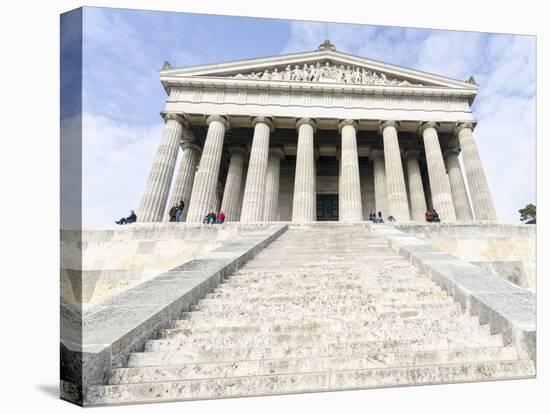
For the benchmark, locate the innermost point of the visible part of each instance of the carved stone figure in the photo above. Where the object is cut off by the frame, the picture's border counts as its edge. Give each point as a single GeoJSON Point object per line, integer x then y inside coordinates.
{"type": "Point", "coordinates": [276, 75]}
{"type": "Point", "coordinates": [325, 71]}
{"type": "Point", "coordinates": [348, 75]}
{"type": "Point", "coordinates": [296, 74]}
{"type": "Point", "coordinates": [266, 75]}
{"type": "Point", "coordinates": [356, 77]}
{"type": "Point", "coordinates": [288, 73]}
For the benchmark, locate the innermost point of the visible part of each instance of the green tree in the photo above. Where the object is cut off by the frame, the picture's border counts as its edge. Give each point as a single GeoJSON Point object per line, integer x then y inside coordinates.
{"type": "Point", "coordinates": [528, 214]}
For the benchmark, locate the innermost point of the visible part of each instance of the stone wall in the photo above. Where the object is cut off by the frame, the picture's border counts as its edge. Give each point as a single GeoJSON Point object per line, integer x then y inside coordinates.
{"type": "Point", "coordinates": [99, 264]}
{"type": "Point", "coordinates": [508, 250]}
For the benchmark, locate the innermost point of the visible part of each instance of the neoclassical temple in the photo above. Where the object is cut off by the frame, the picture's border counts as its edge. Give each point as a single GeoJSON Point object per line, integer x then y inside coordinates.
{"type": "Point", "coordinates": [314, 136]}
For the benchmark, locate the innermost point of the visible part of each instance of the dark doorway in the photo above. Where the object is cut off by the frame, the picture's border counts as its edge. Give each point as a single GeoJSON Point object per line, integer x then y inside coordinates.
{"type": "Point", "coordinates": [327, 207]}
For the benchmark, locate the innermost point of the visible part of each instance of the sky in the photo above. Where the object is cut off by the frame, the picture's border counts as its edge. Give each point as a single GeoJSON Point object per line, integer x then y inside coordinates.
{"type": "Point", "coordinates": [122, 94]}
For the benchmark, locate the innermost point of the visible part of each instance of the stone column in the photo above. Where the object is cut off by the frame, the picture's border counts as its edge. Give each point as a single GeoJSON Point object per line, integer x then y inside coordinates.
{"type": "Point", "coordinates": [398, 205]}
{"type": "Point", "coordinates": [380, 191]}
{"type": "Point", "coordinates": [206, 179]}
{"type": "Point", "coordinates": [271, 205]}
{"type": "Point", "coordinates": [439, 182]}
{"type": "Point", "coordinates": [349, 199]}
{"type": "Point", "coordinates": [232, 195]}
{"type": "Point", "coordinates": [186, 176]}
{"type": "Point", "coordinates": [155, 196]}
{"type": "Point", "coordinates": [416, 188]}
{"type": "Point", "coordinates": [458, 187]}
{"type": "Point", "coordinates": [254, 190]}
{"type": "Point", "coordinates": [218, 198]}
{"type": "Point", "coordinates": [484, 208]}
{"type": "Point", "coordinates": [304, 202]}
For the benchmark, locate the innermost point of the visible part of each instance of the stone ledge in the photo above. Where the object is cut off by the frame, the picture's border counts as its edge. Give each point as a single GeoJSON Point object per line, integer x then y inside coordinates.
{"type": "Point", "coordinates": [95, 341]}
{"type": "Point", "coordinates": [507, 308]}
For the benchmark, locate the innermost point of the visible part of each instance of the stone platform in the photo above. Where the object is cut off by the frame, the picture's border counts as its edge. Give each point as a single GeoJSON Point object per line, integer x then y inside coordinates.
{"type": "Point", "coordinates": [329, 306]}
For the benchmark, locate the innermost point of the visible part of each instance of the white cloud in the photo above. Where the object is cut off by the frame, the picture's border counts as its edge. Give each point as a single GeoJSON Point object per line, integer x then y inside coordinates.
{"type": "Point", "coordinates": [116, 161]}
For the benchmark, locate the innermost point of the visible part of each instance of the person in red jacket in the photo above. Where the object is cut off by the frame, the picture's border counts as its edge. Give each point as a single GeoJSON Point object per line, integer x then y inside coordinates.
{"type": "Point", "coordinates": [220, 218]}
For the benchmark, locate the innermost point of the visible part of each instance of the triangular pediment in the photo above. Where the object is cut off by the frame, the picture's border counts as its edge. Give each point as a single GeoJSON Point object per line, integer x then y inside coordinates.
{"type": "Point", "coordinates": [318, 67]}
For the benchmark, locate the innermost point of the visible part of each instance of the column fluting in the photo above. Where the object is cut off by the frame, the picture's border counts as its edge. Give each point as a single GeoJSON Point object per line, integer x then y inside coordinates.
{"type": "Point", "coordinates": [204, 189]}
{"type": "Point", "coordinates": [482, 201]}
{"type": "Point", "coordinates": [155, 196]}
{"type": "Point", "coordinates": [380, 190]}
{"type": "Point", "coordinates": [458, 187]}
{"type": "Point", "coordinates": [398, 205]}
{"type": "Point", "coordinates": [439, 182]}
{"type": "Point", "coordinates": [271, 205]}
{"type": "Point", "coordinates": [232, 195]}
{"type": "Point", "coordinates": [254, 191]}
{"type": "Point", "coordinates": [416, 188]}
{"type": "Point", "coordinates": [304, 201]}
{"type": "Point", "coordinates": [349, 197]}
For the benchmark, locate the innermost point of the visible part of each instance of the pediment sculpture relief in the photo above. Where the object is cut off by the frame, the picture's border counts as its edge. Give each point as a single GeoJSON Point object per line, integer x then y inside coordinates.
{"type": "Point", "coordinates": [326, 73]}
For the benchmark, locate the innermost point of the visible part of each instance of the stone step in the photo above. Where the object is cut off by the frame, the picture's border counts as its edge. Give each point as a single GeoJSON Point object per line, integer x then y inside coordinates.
{"type": "Point", "coordinates": [218, 354]}
{"type": "Point", "coordinates": [321, 306]}
{"type": "Point", "coordinates": [330, 282]}
{"type": "Point", "coordinates": [316, 310]}
{"type": "Point", "coordinates": [184, 329]}
{"type": "Point", "coordinates": [465, 335]}
{"type": "Point", "coordinates": [307, 364]}
{"type": "Point", "coordinates": [230, 297]}
{"type": "Point", "coordinates": [204, 319]}
{"type": "Point", "coordinates": [307, 382]}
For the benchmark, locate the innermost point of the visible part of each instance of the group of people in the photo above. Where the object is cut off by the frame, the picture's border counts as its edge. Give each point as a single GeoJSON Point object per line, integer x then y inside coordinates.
{"type": "Point", "coordinates": [378, 218]}
{"type": "Point", "coordinates": [432, 216]}
{"type": "Point", "coordinates": [176, 211]}
{"type": "Point", "coordinates": [213, 218]}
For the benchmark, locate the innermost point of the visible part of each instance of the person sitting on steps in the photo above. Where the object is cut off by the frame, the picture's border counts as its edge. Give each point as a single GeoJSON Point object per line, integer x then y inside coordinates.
{"type": "Point", "coordinates": [127, 220]}
{"type": "Point", "coordinates": [435, 216]}
{"type": "Point", "coordinates": [220, 218]}
{"type": "Point", "coordinates": [372, 216]}
{"type": "Point", "coordinates": [179, 210]}
{"type": "Point", "coordinates": [210, 218]}
{"type": "Point", "coordinates": [391, 219]}
{"type": "Point", "coordinates": [172, 213]}
{"type": "Point", "coordinates": [379, 219]}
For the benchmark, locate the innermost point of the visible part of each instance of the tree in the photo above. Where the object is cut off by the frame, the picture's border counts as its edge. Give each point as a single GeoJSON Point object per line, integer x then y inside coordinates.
{"type": "Point", "coordinates": [529, 214]}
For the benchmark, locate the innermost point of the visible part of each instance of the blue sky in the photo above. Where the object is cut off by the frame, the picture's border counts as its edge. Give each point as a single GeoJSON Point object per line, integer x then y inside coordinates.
{"type": "Point", "coordinates": [122, 97]}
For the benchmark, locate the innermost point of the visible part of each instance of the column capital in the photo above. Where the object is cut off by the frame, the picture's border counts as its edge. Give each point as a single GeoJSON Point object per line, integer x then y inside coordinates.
{"type": "Point", "coordinates": [411, 153]}
{"type": "Point", "coordinates": [451, 150]}
{"type": "Point", "coordinates": [190, 145]}
{"type": "Point", "coordinates": [388, 123]}
{"type": "Point", "coordinates": [345, 122]}
{"type": "Point", "coordinates": [218, 118]}
{"type": "Point", "coordinates": [237, 149]}
{"type": "Point", "coordinates": [426, 125]}
{"type": "Point", "coordinates": [308, 121]}
{"type": "Point", "coordinates": [264, 120]}
{"type": "Point", "coordinates": [181, 118]}
{"type": "Point", "coordinates": [277, 152]}
{"type": "Point", "coordinates": [376, 153]}
{"type": "Point", "coordinates": [463, 125]}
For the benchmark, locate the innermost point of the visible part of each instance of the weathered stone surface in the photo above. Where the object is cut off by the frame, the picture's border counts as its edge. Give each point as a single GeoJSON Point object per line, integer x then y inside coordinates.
{"type": "Point", "coordinates": [102, 336]}
{"type": "Point", "coordinates": [327, 318]}
{"type": "Point", "coordinates": [509, 309]}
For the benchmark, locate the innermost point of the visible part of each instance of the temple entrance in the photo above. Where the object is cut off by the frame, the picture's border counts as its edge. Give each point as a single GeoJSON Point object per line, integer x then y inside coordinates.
{"type": "Point", "coordinates": [327, 207]}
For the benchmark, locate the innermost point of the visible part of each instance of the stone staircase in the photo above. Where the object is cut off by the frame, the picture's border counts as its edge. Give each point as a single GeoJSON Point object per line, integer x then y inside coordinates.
{"type": "Point", "coordinates": [323, 307]}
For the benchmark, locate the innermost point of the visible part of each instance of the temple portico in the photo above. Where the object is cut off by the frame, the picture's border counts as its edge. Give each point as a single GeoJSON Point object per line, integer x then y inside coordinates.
{"type": "Point", "coordinates": [329, 138]}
